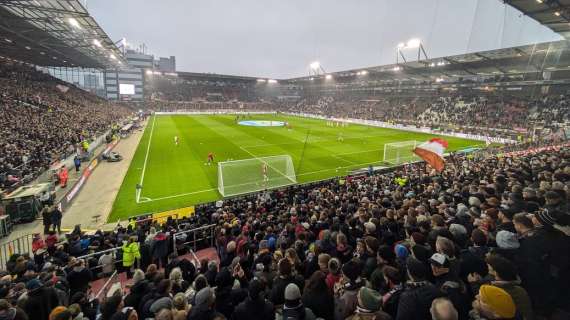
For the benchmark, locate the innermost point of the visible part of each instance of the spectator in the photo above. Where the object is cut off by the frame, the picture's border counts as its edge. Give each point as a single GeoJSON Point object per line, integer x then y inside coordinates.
{"type": "Point", "coordinates": [318, 297]}
{"type": "Point", "coordinates": [493, 303]}
{"type": "Point", "coordinates": [293, 307]}
{"type": "Point", "coordinates": [443, 309]}
{"type": "Point", "coordinates": [418, 295]}
{"type": "Point", "coordinates": [256, 306]}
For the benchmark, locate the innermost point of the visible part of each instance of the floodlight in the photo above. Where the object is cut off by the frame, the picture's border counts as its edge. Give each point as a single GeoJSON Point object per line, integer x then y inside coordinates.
{"type": "Point", "coordinates": [97, 43]}
{"type": "Point", "coordinates": [112, 56]}
{"type": "Point", "coordinates": [328, 76]}
{"type": "Point", "coordinates": [432, 64]}
{"type": "Point", "coordinates": [539, 1]}
{"type": "Point", "coordinates": [396, 69]}
{"type": "Point", "coordinates": [363, 72]}
{"type": "Point", "coordinates": [557, 13]}
{"type": "Point", "coordinates": [74, 23]}
{"type": "Point", "coordinates": [315, 65]}
{"type": "Point", "coordinates": [311, 78]}
{"type": "Point", "coordinates": [271, 81]}
{"type": "Point", "coordinates": [260, 80]}
{"type": "Point", "coordinates": [28, 48]}
{"type": "Point", "coordinates": [413, 43]}
{"type": "Point", "coordinates": [401, 45]}
{"type": "Point", "coordinates": [8, 40]}
{"type": "Point", "coordinates": [149, 72]}
{"type": "Point", "coordinates": [438, 79]}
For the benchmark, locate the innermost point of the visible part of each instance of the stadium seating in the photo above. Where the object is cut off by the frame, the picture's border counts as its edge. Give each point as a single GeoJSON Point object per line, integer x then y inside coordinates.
{"type": "Point", "coordinates": [43, 120]}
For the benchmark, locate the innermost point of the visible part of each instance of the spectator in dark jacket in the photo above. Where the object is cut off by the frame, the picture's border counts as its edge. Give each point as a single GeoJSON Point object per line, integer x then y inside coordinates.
{"type": "Point", "coordinates": [418, 294]}
{"type": "Point", "coordinates": [79, 278]}
{"type": "Point", "coordinates": [40, 301]}
{"type": "Point", "coordinates": [203, 308]}
{"type": "Point", "coordinates": [280, 282]}
{"type": "Point", "coordinates": [318, 297]}
{"type": "Point", "coordinates": [256, 306]}
{"type": "Point", "coordinates": [450, 284]}
{"type": "Point", "coordinates": [159, 250]}
{"type": "Point", "coordinates": [137, 291]}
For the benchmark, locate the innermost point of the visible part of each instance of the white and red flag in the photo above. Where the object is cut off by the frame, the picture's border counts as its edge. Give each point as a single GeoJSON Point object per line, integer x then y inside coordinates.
{"type": "Point", "coordinates": [432, 152]}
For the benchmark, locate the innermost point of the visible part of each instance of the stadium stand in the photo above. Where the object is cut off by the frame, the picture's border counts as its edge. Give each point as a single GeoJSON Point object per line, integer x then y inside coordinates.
{"type": "Point", "coordinates": [495, 235]}
{"type": "Point", "coordinates": [43, 120]}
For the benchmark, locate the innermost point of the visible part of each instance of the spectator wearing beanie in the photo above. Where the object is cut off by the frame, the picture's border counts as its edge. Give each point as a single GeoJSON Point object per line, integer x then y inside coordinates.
{"type": "Point", "coordinates": [369, 306]}
{"type": "Point", "coordinates": [418, 294]}
{"type": "Point", "coordinates": [318, 297]}
{"type": "Point", "coordinates": [256, 306]}
{"type": "Point", "coordinates": [293, 308]}
{"type": "Point", "coordinates": [493, 303]}
{"type": "Point", "coordinates": [41, 300]}
{"type": "Point", "coordinates": [347, 289]}
{"type": "Point", "coordinates": [507, 245]}
{"type": "Point", "coordinates": [203, 309]}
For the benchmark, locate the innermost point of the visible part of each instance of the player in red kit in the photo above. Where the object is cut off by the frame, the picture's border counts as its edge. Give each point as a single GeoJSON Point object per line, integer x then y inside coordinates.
{"type": "Point", "coordinates": [210, 158]}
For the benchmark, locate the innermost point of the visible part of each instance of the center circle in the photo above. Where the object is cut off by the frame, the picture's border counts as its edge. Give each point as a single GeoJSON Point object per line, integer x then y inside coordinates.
{"type": "Point", "coordinates": [261, 123]}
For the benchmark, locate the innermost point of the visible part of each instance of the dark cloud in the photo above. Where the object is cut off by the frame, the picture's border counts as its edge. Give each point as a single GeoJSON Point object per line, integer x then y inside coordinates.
{"type": "Point", "coordinates": [277, 38]}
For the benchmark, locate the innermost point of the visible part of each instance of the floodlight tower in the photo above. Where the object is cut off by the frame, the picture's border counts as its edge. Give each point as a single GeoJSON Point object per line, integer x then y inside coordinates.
{"type": "Point", "coordinates": [316, 69]}
{"type": "Point", "coordinates": [412, 44]}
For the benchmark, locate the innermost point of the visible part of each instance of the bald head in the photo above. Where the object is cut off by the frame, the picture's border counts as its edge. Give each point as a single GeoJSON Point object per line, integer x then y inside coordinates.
{"type": "Point", "coordinates": [443, 309]}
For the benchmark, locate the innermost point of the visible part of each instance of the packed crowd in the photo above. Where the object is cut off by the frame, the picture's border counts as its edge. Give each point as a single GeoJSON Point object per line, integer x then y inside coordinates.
{"type": "Point", "coordinates": [485, 239]}
{"type": "Point", "coordinates": [43, 119]}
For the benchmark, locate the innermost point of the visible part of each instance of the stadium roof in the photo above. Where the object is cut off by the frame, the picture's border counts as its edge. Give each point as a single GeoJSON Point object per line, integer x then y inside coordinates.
{"type": "Point", "coordinates": [58, 33]}
{"type": "Point", "coordinates": [554, 14]}
{"type": "Point", "coordinates": [547, 56]}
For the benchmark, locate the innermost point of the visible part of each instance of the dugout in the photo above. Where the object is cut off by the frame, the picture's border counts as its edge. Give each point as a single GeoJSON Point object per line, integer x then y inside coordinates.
{"type": "Point", "coordinates": [24, 203]}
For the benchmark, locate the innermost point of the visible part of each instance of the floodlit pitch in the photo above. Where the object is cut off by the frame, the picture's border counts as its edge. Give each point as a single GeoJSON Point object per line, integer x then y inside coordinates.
{"type": "Point", "coordinates": [172, 176]}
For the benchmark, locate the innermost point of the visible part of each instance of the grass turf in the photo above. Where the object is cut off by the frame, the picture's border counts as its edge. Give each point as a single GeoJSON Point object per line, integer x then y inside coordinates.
{"type": "Point", "coordinates": [176, 176]}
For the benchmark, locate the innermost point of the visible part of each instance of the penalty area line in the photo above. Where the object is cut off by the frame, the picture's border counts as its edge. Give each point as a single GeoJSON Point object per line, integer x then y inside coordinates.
{"type": "Point", "coordinates": [176, 195]}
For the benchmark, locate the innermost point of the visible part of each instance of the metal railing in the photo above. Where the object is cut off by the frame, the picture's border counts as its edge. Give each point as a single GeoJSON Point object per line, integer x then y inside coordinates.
{"type": "Point", "coordinates": [104, 287]}
{"type": "Point", "coordinates": [98, 254]}
{"type": "Point", "coordinates": [194, 237]}
{"type": "Point", "coordinates": [19, 245]}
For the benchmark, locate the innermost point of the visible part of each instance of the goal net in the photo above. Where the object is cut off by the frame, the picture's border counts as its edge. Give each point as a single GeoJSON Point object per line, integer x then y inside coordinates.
{"type": "Point", "coordinates": [400, 152]}
{"type": "Point", "coordinates": [246, 176]}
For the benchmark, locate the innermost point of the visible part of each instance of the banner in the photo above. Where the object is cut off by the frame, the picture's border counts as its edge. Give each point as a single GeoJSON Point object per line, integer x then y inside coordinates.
{"type": "Point", "coordinates": [185, 212]}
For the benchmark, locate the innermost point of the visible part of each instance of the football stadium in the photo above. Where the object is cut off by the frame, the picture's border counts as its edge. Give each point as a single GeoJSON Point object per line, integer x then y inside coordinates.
{"type": "Point", "coordinates": [332, 160]}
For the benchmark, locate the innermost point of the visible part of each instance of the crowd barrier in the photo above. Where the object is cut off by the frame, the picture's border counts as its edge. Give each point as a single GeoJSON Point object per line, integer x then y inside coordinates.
{"type": "Point", "coordinates": [19, 245]}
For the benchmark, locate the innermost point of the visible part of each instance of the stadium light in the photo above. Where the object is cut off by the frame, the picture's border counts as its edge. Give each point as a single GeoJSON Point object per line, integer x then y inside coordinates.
{"type": "Point", "coordinates": [112, 56]}
{"type": "Point", "coordinates": [28, 48]}
{"type": "Point", "coordinates": [260, 80]}
{"type": "Point", "coordinates": [557, 13]}
{"type": "Point", "coordinates": [271, 81]}
{"type": "Point", "coordinates": [149, 72]}
{"type": "Point", "coordinates": [74, 23]}
{"type": "Point", "coordinates": [311, 78]}
{"type": "Point", "coordinates": [432, 64]}
{"type": "Point", "coordinates": [364, 72]}
{"type": "Point", "coordinates": [413, 43]}
{"type": "Point", "coordinates": [396, 68]}
{"type": "Point", "coordinates": [315, 65]}
{"type": "Point", "coordinates": [42, 53]}
{"type": "Point", "coordinates": [539, 1]}
{"type": "Point", "coordinates": [401, 45]}
{"type": "Point", "coordinates": [8, 40]}
{"type": "Point", "coordinates": [97, 43]}
{"type": "Point", "coordinates": [328, 76]}
{"type": "Point", "coordinates": [438, 79]}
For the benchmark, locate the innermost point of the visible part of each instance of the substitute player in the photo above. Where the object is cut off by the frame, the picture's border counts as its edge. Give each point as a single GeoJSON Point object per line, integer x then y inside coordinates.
{"type": "Point", "coordinates": [176, 140]}
{"type": "Point", "coordinates": [210, 158]}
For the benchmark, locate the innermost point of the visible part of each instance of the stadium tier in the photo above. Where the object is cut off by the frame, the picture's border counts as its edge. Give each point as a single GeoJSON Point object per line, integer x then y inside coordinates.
{"type": "Point", "coordinates": [437, 188]}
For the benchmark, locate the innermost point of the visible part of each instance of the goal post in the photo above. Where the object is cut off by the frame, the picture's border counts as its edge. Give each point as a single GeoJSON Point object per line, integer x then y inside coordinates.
{"type": "Point", "coordinates": [246, 176]}
{"type": "Point", "coordinates": [400, 152]}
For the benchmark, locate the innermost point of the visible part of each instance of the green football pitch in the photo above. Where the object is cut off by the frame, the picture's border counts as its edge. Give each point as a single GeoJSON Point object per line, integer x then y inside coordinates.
{"type": "Point", "coordinates": [177, 176]}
